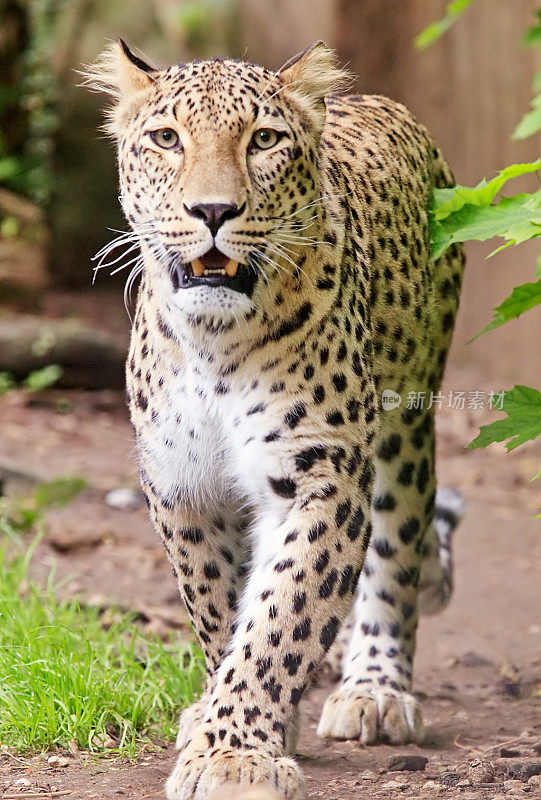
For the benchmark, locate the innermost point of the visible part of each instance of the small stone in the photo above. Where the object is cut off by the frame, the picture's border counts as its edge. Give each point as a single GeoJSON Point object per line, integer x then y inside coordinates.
{"type": "Point", "coordinates": [449, 778]}
{"type": "Point", "coordinates": [481, 771]}
{"type": "Point", "coordinates": [463, 784]}
{"type": "Point", "coordinates": [511, 785]}
{"type": "Point", "coordinates": [432, 786]}
{"type": "Point", "coordinates": [368, 775]}
{"type": "Point", "coordinates": [407, 763]}
{"type": "Point", "coordinates": [58, 761]}
{"type": "Point", "coordinates": [524, 770]}
{"type": "Point", "coordinates": [399, 785]}
{"type": "Point", "coordinates": [124, 499]}
{"type": "Point", "coordinates": [508, 752]}
{"type": "Point", "coordinates": [535, 780]}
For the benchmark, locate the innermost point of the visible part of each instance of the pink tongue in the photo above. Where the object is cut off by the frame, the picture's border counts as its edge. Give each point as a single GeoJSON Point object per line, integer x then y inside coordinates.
{"type": "Point", "coordinates": [214, 259]}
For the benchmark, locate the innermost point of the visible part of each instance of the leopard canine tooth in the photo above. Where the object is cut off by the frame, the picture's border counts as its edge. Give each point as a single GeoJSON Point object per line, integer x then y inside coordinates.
{"type": "Point", "coordinates": [231, 267]}
{"type": "Point", "coordinates": [197, 267]}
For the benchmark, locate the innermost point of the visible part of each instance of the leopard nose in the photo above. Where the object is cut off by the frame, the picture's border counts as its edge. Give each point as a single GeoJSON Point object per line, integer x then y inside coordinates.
{"type": "Point", "coordinates": [214, 214]}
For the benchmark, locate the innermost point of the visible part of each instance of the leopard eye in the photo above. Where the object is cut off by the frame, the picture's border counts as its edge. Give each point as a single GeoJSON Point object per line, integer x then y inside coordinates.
{"type": "Point", "coordinates": [265, 138]}
{"type": "Point", "coordinates": [165, 137]}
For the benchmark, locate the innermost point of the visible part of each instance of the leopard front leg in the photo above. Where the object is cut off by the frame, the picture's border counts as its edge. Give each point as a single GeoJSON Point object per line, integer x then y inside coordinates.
{"type": "Point", "coordinates": [296, 597]}
{"type": "Point", "coordinates": [373, 701]}
{"type": "Point", "coordinates": [208, 554]}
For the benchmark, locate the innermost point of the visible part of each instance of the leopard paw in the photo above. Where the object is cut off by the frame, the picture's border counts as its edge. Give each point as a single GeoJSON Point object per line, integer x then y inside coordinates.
{"type": "Point", "coordinates": [200, 771]}
{"type": "Point", "coordinates": [372, 715]}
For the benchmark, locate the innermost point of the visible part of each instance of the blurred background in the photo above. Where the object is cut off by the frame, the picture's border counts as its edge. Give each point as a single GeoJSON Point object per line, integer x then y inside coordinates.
{"type": "Point", "coordinates": [58, 192]}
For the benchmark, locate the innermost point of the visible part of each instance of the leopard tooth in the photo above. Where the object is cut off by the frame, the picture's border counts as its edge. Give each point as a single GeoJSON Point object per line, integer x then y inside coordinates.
{"type": "Point", "coordinates": [231, 267]}
{"type": "Point", "coordinates": [197, 267]}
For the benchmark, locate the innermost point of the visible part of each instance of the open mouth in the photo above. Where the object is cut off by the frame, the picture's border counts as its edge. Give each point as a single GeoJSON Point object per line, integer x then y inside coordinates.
{"type": "Point", "coordinates": [214, 268]}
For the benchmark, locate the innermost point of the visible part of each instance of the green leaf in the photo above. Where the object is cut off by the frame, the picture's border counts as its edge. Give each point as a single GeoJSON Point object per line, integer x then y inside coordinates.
{"type": "Point", "coordinates": [436, 29]}
{"type": "Point", "coordinates": [520, 300]}
{"type": "Point", "coordinates": [533, 34]}
{"type": "Point", "coordinates": [530, 122]}
{"type": "Point", "coordinates": [58, 492]}
{"type": "Point", "coordinates": [6, 382]}
{"type": "Point", "coordinates": [536, 476]}
{"type": "Point", "coordinates": [522, 404]}
{"type": "Point", "coordinates": [515, 219]}
{"type": "Point", "coordinates": [42, 378]}
{"type": "Point", "coordinates": [447, 201]}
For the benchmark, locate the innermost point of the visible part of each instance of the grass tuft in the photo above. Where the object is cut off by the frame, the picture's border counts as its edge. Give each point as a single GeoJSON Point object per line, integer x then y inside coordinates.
{"type": "Point", "coordinates": [65, 678]}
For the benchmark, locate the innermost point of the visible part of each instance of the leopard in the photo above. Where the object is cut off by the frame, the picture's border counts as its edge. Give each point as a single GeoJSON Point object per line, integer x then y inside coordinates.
{"type": "Point", "coordinates": [288, 311]}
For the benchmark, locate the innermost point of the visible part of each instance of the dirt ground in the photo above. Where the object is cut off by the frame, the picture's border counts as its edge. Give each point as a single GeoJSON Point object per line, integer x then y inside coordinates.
{"type": "Point", "coordinates": [478, 668]}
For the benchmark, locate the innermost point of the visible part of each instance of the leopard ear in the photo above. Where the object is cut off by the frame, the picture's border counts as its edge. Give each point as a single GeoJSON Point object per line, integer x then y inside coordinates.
{"type": "Point", "coordinates": [118, 72]}
{"type": "Point", "coordinates": [313, 73]}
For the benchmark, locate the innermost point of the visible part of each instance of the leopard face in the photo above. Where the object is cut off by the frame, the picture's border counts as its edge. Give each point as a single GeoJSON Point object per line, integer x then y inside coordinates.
{"type": "Point", "coordinates": [219, 176]}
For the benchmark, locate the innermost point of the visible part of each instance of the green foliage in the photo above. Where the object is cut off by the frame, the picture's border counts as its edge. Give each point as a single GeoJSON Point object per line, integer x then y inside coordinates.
{"type": "Point", "coordinates": [436, 29]}
{"type": "Point", "coordinates": [461, 213]}
{"type": "Point", "coordinates": [531, 121]}
{"type": "Point", "coordinates": [36, 381]}
{"type": "Point", "coordinates": [521, 299]}
{"type": "Point", "coordinates": [523, 408]}
{"type": "Point", "coordinates": [40, 379]}
{"type": "Point", "coordinates": [6, 382]}
{"type": "Point", "coordinates": [20, 515]}
{"type": "Point", "coordinates": [65, 676]}
{"type": "Point", "coordinates": [59, 492]}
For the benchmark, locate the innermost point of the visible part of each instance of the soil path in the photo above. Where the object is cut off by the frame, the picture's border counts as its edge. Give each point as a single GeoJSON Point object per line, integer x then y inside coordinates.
{"type": "Point", "coordinates": [478, 669]}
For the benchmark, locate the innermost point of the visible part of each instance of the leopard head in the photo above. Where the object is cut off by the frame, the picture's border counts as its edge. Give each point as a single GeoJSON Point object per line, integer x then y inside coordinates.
{"type": "Point", "coordinates": [219, 173]}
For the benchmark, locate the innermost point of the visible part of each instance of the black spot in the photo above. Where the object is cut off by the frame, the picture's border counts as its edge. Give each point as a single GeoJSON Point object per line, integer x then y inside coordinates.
{"type": "Point", "coordinates": [303, 630]}
{"type": "Point", "coordinates": [257, 409]}
{"type": "Point", "coordinates": [318, 394]}
{"type": "Point", "coordinates": [299, 601]}
{"type": "Point", "coordinates": [321, 561]}
{"type": "Point", "coordinates": [384, 549]}
{"type": "Point", "coordinates": [292, 662]}
{"type": "Point", "coordinates": [211, 570]}
{"type": "Point", "coordinates": [193, 535]}
{"type": "Point", "coordinates": [335, 418]}
{"type": "Point", "coordinates": [263, 666]}
{"type": "Point", "coordinates": [281, 566]}
{"type": "Point", "coordinates": [306, 458]}
{"type": "Point", "coordinates": [390, 447]}
{"type": "Point", "coordinates": [340, 382]}
{"type": "Point", "coordinates": [284, 487]}
{"type": "Point", "coordinates": [343, 511]}
{"type": "Point", "coordinates": [327, 586]}
{"type": "Point", "coordinates": [405, 476]}
{"type": "Point", "coordinates": [316, 531]}
{"type": "Point", "coordinates": [328, 632]}
{"type": "Point", "coordinates": [294, 415]}
{"type": "Point", "coordinates": [423, 475]}
{"type": "Point", "coordinates": [384, 502]}
{"type": "Point", "coordinates": [354, 526]}
{"type": "Point", "coordinates": [141, 401]}
{"type": "Point", "coordinates": [409, 530]}
{"type": "Point", "coordinates": [345, 580]}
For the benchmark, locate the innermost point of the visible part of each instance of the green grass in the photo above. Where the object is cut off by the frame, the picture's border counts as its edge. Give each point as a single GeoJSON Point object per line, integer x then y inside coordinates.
{"type": "Point", "coordinates": [65, 677]}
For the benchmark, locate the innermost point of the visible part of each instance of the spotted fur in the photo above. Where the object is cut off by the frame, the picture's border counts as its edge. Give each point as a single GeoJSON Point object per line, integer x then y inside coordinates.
{"type": "Point", "coordinates": [272, 474]}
